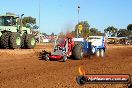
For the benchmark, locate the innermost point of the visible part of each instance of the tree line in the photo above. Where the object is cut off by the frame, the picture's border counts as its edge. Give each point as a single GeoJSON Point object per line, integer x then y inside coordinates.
{"type": "Point", "coordinates": [86, 30]}
{"type": "Point", "coordinates": [111, 31]}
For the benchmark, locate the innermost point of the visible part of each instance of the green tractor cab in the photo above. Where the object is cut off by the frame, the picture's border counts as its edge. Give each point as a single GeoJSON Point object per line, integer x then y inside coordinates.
{"type": "Point", "coordinates": [13, 34]}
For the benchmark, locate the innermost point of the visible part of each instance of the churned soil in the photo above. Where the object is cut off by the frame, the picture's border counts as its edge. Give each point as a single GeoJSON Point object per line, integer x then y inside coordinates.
{"type": "Point", "coordinates": [23, 68]}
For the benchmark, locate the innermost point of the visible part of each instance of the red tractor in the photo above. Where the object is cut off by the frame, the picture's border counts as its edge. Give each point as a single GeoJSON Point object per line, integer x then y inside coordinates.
{"type": "Point", "coordinates": [63, 50]}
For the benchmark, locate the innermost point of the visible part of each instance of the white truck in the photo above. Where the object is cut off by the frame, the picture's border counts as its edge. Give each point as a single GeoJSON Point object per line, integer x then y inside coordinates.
{"type": "Point", "coordinates": [98, 45]}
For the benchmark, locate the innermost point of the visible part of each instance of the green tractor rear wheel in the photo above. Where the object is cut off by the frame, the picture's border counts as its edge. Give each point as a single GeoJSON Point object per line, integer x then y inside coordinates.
{"type": "Point", "coordinates": [30, 41]}
{"type": "Point", "coordinates": [5, 40]}
{"type": "Point", "coordinates": [15, 40]}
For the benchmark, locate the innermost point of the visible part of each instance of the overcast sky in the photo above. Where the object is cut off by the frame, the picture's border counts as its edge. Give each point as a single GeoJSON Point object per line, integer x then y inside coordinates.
{"type": "Point", "coordinates": [61, 15]}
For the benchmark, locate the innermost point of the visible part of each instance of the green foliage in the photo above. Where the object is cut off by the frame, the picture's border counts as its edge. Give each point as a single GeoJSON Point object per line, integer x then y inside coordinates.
{"type": "Point", "coordinates": [73, 33]}
{"type": "Point", "coordinates": [52, 34]}
{"type": "Point", "coordinates": [61, 35]}
{"type": "Point", "coordinates": [120, 33]}
{"type": "Point", "coordinates": [85, 28]}
{"type": "Point", "coordinates": [129, 27]}
{"type": "Point", "coordinates": [123, 33]}
{"type": "Point", "coordinates": [43, 33]}
{"type": "Point", "coordinates": [35, 27]}
{"type": "Point", "coordinates": [111, 30]}
{"type": "Point", "coordinates": [95, 32]}
{"type": "Point", "coordinates": [29, 20]}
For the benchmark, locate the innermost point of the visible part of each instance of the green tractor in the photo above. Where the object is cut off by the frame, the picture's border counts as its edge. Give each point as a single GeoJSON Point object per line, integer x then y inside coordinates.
{"type": "Point", "coordinates": [13, 35]}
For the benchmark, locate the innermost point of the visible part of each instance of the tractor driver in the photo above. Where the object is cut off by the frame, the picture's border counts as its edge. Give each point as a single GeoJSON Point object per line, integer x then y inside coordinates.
{"type": "Point", "coordinates": [8, 21]}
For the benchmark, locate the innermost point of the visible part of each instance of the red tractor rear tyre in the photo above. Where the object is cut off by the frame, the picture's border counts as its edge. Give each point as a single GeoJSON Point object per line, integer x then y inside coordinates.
{"type": "Point", "coordinates": [78, 52]}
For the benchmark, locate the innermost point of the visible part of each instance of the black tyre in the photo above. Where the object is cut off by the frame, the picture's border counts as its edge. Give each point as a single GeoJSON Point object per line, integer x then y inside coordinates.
{"type": "Point", "coordinates": [130, 85]}
{"type": "Point", "coordinates": [102, 53]}
{"type": "Point", "coordinates": [30, 41]}
{"type": "Point", "coordinates": [78, 52]}
{"type": "Point", "coordinates": [15, 40]}
{"type": "Point", "coordinates": [5, 40]}
{"type": "Point", "coordinates": [47, 57]}
{"type": "Point", "coordinates": [23, 40]}
{"type": "Point", "coordinates": [64, 58]}
{"type": "Point", "coordinates": [97, 53]}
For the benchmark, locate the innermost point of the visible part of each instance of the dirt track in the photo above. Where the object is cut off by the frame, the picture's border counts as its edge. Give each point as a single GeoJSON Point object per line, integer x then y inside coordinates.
{"type": "Point", "coordinates": [23, 68]}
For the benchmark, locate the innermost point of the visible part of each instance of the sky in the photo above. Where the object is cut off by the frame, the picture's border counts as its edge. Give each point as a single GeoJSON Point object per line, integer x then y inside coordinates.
{"type": "Point", "coordinates": [62, 15]}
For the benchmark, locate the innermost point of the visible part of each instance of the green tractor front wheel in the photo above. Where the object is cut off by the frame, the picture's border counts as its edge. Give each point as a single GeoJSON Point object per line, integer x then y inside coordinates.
{"type": "Point", "coordinates": [30, 41]}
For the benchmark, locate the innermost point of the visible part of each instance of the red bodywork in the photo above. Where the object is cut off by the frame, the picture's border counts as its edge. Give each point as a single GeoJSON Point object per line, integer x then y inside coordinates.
{"type": "Point", "coordinates": [62, 44]}
{"type": "Point", "coordinates": [56, 57]}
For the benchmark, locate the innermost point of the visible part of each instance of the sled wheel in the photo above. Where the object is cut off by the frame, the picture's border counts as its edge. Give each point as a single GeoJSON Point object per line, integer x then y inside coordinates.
{"type": "Point", "coordinates": [47, 57]}
{"type": "Point", "coordinates": [64, 58]}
